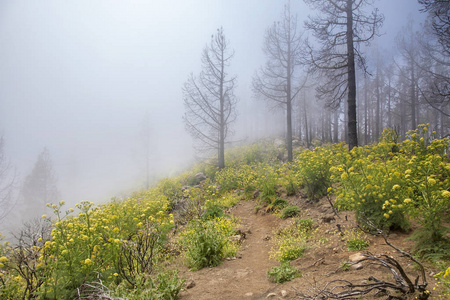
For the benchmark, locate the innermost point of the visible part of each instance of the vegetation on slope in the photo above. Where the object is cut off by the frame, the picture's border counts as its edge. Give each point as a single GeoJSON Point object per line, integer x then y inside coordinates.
{"type": "Point", "coordinates": [124, 249]}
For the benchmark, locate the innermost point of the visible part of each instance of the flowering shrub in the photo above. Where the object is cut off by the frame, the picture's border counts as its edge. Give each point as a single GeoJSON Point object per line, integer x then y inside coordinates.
{"type": "Point", "coordinates": [89, 246]}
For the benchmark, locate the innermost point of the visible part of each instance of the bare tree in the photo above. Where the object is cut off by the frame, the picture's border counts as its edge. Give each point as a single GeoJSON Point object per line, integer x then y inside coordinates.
{"type": "Point", "coordinates": [439, 12]}
{"type": "Point", "coordinates": [209, 98]}
{"type": "Point", "coordinates": [39, 186]}
{"type": "Point", "coordinates": [341, 29]}
{"type": "Point", "coordinates": [279, 80]}
{"type": "Point", "coordinates": [7, 183]}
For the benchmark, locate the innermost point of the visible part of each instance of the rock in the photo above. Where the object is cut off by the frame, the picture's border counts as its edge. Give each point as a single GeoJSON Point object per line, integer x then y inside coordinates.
{"type": "Point", "coordinates": [256, 194]}
{"type": "Point", "coordinates": [248, 294]}
{"type": "Point", "coordinates": [335, 250]}
{"type": "Point", "coordinates": [200, 177]}
{"type": "Point", "coordinates": [284, 293]}
{"type": "Point", "coordinates": [393, 235]}
{"type": "Point", "coordinates": [237, 238]}
{"type": "Point", "coordinates": [328, 218]}
{"type": "Point", "coordinates": [356, 257]}
{"type": "Point", "coordinates": [190, 284]}
{"type": "Point", "coordinates": [270, 295]}
{"type": "Point", "coordinates": [357, 266]}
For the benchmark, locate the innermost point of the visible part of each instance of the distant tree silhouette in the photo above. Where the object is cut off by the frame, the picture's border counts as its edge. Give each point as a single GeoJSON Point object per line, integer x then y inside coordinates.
{"type": "Point", "coordinates": [39, 187]}
{"type": "Point", "coordinates": [7, 182]}
{"type": "Point", "coordinates": [209, 99]}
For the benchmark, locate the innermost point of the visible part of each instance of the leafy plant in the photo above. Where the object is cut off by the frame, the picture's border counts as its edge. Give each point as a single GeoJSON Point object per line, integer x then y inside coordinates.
{"type": "Point", "coordinates": [289, 212]}
{"type": "Point", "coordinates": [345, 266]}
{"type": "Point", "coordinates": [283, 273]}
{"type": "Point", "coordinates": [207, 242]}
{"type": "Point", "coordinates": [356, 240]}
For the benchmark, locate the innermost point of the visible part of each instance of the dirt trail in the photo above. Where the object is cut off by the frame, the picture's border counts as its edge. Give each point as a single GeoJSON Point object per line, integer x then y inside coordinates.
{"type": "Point", "coordinates": [246, 276]}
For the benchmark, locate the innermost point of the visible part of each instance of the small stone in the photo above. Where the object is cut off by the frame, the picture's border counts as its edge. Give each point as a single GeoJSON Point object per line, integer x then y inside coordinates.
{"type": "Point", "coordinates": [190, 284]}
{"type": "Point", "coordinates": [284, 293]}
{"type": "Point", "coordinates": [248, 294]}
{"type": "Point", "coordinates": [328, 218]}
{"type": "Point", "coordinates": [356, 257]}
{"type": "Point", "coordinates": [357, 266]}
{"type": "Point", "coordinates": [335, 250]}
{"type": "Point", "coordinates": [270, 295]}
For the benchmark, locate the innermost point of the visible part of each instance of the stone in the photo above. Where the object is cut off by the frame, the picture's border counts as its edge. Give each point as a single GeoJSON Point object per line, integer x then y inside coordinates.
{"type": "Point", "coordinates": [328, 218]}
{"type": "Point", "coordinates": [284, 293]}
{"type": "Point", "coordinates": [190, 284]}
{"type": "Point", "coordinates": [248, 294]}
{"type": "Point", "coordinates": [356, 257]}
{"type": "Point", "coordinates": [357, 266]}
{"type": "Point", "coordinates": [270, 295]}
{"type": "Point", "coordinates": [200, 177]}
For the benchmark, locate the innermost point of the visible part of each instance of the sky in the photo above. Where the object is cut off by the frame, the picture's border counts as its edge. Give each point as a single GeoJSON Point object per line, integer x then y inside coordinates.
{"type": "Point", "coordinates": [79, 78]}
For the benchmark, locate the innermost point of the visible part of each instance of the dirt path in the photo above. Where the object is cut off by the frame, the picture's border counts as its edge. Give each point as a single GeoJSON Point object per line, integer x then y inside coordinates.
{"type": "Point", "coordinates": [246, 276]}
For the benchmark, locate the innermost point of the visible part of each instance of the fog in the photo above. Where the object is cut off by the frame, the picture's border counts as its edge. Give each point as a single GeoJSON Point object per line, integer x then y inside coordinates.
{"type": "Point", "coordinates": [79, 77]}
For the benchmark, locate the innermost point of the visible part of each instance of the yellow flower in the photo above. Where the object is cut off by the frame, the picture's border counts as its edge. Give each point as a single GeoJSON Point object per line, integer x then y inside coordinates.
{"type": "Point", "coordinates": [407, 200]}
{"type": "Point", "coordinates": [44, 216]}
{"type": "Point", "coordinates": [386, 216]}
{"type": "Point", "coordinates": [446, 194]}
{"type": "Point", "coordinates": [396, 186]}
{"type": "Point", "coordinates": [115, 274]}
{"type": "Point", "coordinates": [62, 202]}
{"type": "Point", "coordinates": [431, 181]}
{"type": "Point", "coordinates": [87, 261]}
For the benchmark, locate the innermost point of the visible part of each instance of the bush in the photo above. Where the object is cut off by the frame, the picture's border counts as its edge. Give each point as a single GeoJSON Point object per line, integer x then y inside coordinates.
{"type": "Point", "coordinates": [207, 242]}
{"type": "Point", "coordinates": [290, 211]}
{"type": "Point", "coordinates": [283, 273]}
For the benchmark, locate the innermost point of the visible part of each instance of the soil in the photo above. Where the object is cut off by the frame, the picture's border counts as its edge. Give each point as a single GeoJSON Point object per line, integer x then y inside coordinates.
{"type": "Point", "coordinates": [245, 276]}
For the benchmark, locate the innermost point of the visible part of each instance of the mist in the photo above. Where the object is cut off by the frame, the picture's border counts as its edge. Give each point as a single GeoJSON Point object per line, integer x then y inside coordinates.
{"type": "Point", "coordinates": [81, 78]}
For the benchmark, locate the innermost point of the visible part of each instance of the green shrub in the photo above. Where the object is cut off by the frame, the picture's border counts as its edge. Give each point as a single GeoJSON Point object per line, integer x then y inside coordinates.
{"type": "Point", "coordinates": [356, 241]}
{"type": "Point", "coordinates": [290, 211]}
{"type": "Point", "coordinates": [283, 273]}
{"type": "Point", "coordinates": [207, 242]}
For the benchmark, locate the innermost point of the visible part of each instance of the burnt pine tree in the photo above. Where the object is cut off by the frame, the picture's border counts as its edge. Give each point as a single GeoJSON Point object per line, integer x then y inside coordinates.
{"type": "Point", "coordinates": [278, 81]}
{"type": "Point", "coordinates": [340, 30]}
{"type": "Point", "coordinates": [209, 99]}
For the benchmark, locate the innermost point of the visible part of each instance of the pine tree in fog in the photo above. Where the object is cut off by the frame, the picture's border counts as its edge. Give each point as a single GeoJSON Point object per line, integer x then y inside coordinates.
{"type": "Point", "coordinates": [209, 99]}
{"type": "Point", "coordinates": [279, 80]}
{"type": "Point", "coordinates": [39, 186]}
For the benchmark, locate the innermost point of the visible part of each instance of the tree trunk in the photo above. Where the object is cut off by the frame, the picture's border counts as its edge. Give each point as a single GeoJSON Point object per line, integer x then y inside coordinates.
{"type": "Point", "coordinates": [351, 101]}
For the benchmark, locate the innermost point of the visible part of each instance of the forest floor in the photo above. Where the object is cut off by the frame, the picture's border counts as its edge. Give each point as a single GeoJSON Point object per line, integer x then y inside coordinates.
{"type": "Point", "coordinates": [245, 276]}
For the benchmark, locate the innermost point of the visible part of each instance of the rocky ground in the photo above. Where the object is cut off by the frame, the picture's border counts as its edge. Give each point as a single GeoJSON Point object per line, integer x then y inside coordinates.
{"type": "Point", "coordinates": [245, 276]}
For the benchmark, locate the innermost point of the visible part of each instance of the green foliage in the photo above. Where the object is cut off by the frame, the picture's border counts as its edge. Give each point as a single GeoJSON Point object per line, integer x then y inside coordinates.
{"type": "Point", "coordinates": [171, 188]}
{"type": "Point", "coordinates": [289, 212]}
{"type": "Point", "coordinates": [166, 285]}
{"type": "Point", "coordinates": [285, 272]}
{"type": "Point", "coordinates": [344, 266]}
{"type": "Point", "coordinates": [290, 243]}
{"type": "Point", "coordinates": [443, 279]}
{"type": "Point", "coordinates": [399, 180]}
{"type": "Point", "coordinates": [207, 243]}
{"type": "Point", "coordinates": [356, 240]}
{"type": "Point", "coordinates": [313, 168]}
